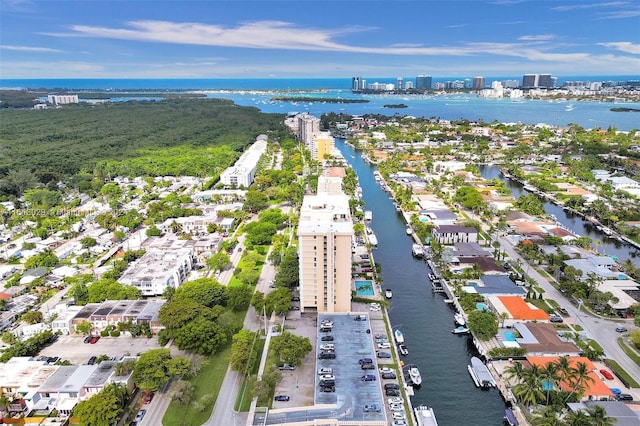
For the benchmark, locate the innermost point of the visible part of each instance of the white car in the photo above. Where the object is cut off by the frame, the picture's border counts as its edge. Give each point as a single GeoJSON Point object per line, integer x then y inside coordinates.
{"type": "Point", "coordinates": [395, 400]}
{"type": "Point", "coordinates": [327, 347]}
{"type": "Point", "coordinates": [396, 407]}
{"type": "Point", "coordinates": [374, 307]}
{"type": "Point", "coordinates": [385, 345]}
{"type": "Point", "coordinates": [399, 423]}
{"type": "Point", "coordinates": [383, 370]}
{"type": "Point", "coordinates": [328, 377]}
{"type": "Point", "coordinates": [398, 416]}
{"type": "Point", "coordinates": [327, 371]}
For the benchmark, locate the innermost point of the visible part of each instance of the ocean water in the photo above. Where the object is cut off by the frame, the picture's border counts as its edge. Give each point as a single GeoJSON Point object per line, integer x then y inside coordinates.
{"type": "Point", "coordinates": [260, 92]}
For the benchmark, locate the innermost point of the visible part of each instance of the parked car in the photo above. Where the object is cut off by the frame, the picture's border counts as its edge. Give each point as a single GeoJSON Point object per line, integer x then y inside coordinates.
{"type": "Point", "coordinates": [94, 340]}
{"type": "Point", "coordinates": [87, 339]}
{"type": "Point", "coordinates": [624, 397]}
{"type": "Point", "coordinates": [385, 345]}
{"type": "Point", "coordinates": [324, 371]}
{"type": "Point", "coordinates": [327, 338]}
{"type": "Point", "coordinates": [148, 397]}
{"type": "Point", "coordinates": [563, 311]}
{"type": "Point", "coordinates": [371, 408]}
{"type": "Point", "coordinates": [388, 376]}
{"type": "Point", "coordinates": [367, 366]}
{"type": "Point", "coordinates": [328, 388]}
{"type": "Point", "coordinates": [392, 386]}
{"type": "Point", "coordinates": [399, 423]}
{"type": "Point", "coordinates": [365, 361]}
{"type": "Point", "coordinates": [368, 378]}
{"type": "Point", "coordinates": [294, 308]}
{"type": "Point", "coordinates": [327, 377]}
{"type": "Point", "coordinates": [140, 415]}
{"type": "Point", "coordinates": [327, 347]}
{"type": "Point", "coordinates": [398, 416]}
{"type": "Point", "coordinates": [92, 360]}
{"type": "Point", "coordinates": [327, 355]}
{"type": "Point", "coordinates": [396, 407]}
{"type": "Point", "coordinates": [621, 329]}
{"type": "Point", "coordinates": [607, 375]}
{"type": "Point", "coordinates": [283, 398]}
{"type": "Point", "coordinates": [384, 355]}
{"type": "Point", "coordinates": [360, 318]}
{"type": "Point", "coordinates": [295, 299]}
{"type": "Point", "coordinates": [392, 392]}
{"type": "Point", "coordinates": [286, 367]}
{"type": "Point", "coordinates": [395, 400]}
{"type": "Point", "coordinates": [555, 318]}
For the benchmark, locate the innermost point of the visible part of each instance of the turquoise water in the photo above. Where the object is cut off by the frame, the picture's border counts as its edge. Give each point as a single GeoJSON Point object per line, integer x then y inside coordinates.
{"type": "Point", "coordinates": [364, 288]}
{"type": "Point", "coordinates": [509, 336]}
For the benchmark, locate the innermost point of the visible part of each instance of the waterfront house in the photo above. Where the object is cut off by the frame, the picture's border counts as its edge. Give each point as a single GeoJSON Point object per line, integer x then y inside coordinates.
{"type": "Point", "coordinates": [516, 310]}
{"type": "Point", "coordinates": [618, 410]}
{"type": "Point", "coordinates": [594, 390]}
{"type": "Point", "coordinates": [451, 234]}
{"type": "Point", "coordinates": [538, 338]}
{"type": "Point", "coordinates": [494, 285]}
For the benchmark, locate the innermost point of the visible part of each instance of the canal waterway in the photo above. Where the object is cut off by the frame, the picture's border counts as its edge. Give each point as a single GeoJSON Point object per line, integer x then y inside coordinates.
{"type": "Point", "coordinates": [423, 317]}
{"type": "Point", "coordinates": [573, 223]}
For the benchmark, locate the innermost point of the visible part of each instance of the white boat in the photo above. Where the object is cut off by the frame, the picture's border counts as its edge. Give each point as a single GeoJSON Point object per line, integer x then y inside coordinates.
{"type": "Point", "coordinates": [480, 374]}
{"type": "Point", "coordinates": [460, 330]}
{"type": "Point", "coordinates": [373, 240]}
{"type": "Point", "coordinates": [397, 334]}
{"type": "Point", "coordinates": [368, 215]}
{"type": "Point", "coordinates": [417, 250]}
{"type": "Point", "coordinates": [388, 293]}
{"type": "Point", "coordinates": [425, 416]}
{"type": "Point", "coordinates": [414, 375]}
{"type": "Point", "coordinates": [459, 318]}
{"type": "Point", "coordinates": [409, 231]}
{"type": "Point", "coordinates": [398, 208]}
{"type": "Point", "coordinates": [403, 350]}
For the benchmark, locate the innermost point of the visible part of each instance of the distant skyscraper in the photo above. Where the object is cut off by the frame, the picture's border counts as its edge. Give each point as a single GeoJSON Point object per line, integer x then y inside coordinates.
{"type": "Point", "coordinates": [399, 84]}
{"type": "Point", "coordinates": [544, 80]}
{"type": "Point", "coordinates": [408, 85]}
{"type": "Point", "coordinates": [478, 83]}
{"type": "Point", "coordinates": [423, 82]}
{"type": "Point", "coordinates": [529, 81]}
{"type": "Point", "coordinates": [356, 83]}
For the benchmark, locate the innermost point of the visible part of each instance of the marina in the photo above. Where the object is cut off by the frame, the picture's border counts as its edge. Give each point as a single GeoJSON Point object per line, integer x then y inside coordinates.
{"type": "Point", "coordinates": [398, 336]}
{"type": "Point", "coordinates": [423, 313]}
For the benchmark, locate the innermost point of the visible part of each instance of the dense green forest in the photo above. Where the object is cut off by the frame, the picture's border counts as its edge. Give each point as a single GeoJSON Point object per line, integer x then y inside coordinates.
{"type": "Point", "coordinates": [172, 137]}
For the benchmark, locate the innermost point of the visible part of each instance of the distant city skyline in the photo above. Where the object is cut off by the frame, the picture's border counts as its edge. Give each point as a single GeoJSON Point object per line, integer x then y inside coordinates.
{"type": "Point", "coordinates": [308, 39]}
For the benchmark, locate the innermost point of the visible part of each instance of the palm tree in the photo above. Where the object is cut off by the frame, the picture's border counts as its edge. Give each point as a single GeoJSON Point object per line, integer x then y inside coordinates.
{"type": "Point", "coordinates": [577, 418]}
{"type": "Point", "coordinates": [598, 416]}
{"type": "Point", "coordinates": [549, 377]}
{"type": "Point", "coordinates": [566, 373]}
{"type": "Point", "coordinates": [581, 379]}
{"type": "Point", "coordinates": [515, 371]}
{"type": "Point", "coordinates": [529, 391]}
{"type": "Point", "coordinates": [548, 417]}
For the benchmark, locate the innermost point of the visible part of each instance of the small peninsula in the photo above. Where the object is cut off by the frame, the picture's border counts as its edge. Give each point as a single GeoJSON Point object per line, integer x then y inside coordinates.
{"type": "Point", "coordinates": [395, 106]}
{"type": "Point", "coordinates": [326, 100]}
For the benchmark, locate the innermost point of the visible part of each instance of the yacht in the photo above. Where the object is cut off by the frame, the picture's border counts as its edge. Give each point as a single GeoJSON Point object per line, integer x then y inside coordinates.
{"type": "Point", "coordinates": [414, 375]}
{"type": "Point", "coordinates": [368, 215]}
{"type": "Point", "coordinates": [459, 318]}
{"type": "Point", "coordinates": [373, 240]}
{"type": "Point", "coordinates": [397, 334]}
{"type": "Point", "coordinates": [409, 231]}
{"type": "Point", "coordinates": [480, 374]}
{"type": "Point", "coordinates": [425, 416]}
{"type": "Point", "coordinates": [460, 330]}
{"type": "Point", "coordinates": [388, 294]}
{"type": "Point", "coordinates": [417, 250]}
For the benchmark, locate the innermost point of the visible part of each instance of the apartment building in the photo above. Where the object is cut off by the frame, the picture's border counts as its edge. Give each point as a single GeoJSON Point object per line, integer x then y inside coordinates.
{"type": "Point", "coordinates": [325, 232]}
{"type": "Point", "coordinates": [242, 173]}
{"type": "Point", "coordinates": [322, 144]}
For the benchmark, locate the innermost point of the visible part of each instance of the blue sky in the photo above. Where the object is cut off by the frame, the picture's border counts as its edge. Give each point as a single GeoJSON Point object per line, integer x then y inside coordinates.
{"type": "Point", "coordinates": [286, 39]}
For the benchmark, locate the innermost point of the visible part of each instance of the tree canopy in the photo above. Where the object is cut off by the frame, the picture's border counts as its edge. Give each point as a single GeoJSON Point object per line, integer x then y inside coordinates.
{"type": "Point", "coordinates": [105, 408]}
{"type": "Point", "coordinates": [155, 367]}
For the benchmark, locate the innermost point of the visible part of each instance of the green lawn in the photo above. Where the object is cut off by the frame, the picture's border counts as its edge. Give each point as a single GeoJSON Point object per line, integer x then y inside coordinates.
{"type": "Point", "coordinates": [631, 353]}
{"type": "Point", "coordinates": [245, 395]}
{"type": "Point", "coordinates": [622, 373]}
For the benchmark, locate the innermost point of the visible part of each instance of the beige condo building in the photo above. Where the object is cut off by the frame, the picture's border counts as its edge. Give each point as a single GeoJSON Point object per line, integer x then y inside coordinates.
{"type": "Point", "coordinates": [325, 233]}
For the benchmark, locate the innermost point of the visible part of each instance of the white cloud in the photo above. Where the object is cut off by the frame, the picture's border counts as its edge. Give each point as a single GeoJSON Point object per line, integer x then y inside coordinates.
{"type": "Point", "coordinates": [539, 37]}
{"type": "Point", "coordinates": [568, 8]}
{"type": "Point", "coordinates": [29, 49]}
{"type": "Point", "coordinates": [623, 46]}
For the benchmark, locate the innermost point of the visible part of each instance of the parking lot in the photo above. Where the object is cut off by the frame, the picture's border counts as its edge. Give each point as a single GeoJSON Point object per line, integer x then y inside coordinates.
{"type": "Point", "coordinates": [352, 340]}
{"type": "Point", "coordinates": [74, 349]}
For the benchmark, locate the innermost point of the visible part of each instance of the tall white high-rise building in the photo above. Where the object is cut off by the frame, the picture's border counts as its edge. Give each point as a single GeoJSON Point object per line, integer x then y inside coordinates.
{"type": "Point", "coordinates": [325, 233]}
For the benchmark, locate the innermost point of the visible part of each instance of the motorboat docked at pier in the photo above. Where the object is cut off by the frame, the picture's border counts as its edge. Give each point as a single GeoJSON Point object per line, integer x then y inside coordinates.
{"type": "Point", "coordinates": [388, 294]}
{"type": "Point", "coordinates": [373, 240]}
{"type": "Point", "coordinates": [459, 318]}
{"type": "Point", "coordinates": [425, 416]}
{"type": "Point", "coordinates": [402, 348]}
{"type": "Point", "coordinates": [409, 231]}
{"type": "Point", "coordinates": [414, 376]}
{"type": "Point", "coordinates": [368, 215]}
{"type": "Point", "coordinates": [460, 330]}
{"type": "Point", "coordinates": [398, 336]}
{"type": "Point", "coordinates": [417, 250]}
{"type": "Point", "coordinates": [480, 374]}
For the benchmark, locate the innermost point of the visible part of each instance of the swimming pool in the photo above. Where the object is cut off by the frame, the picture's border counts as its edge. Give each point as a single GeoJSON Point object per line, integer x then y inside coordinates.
{"type": "Point", "coordinates": [509, 336]}
{"type": "Point", "coordinates": [364, 288]}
